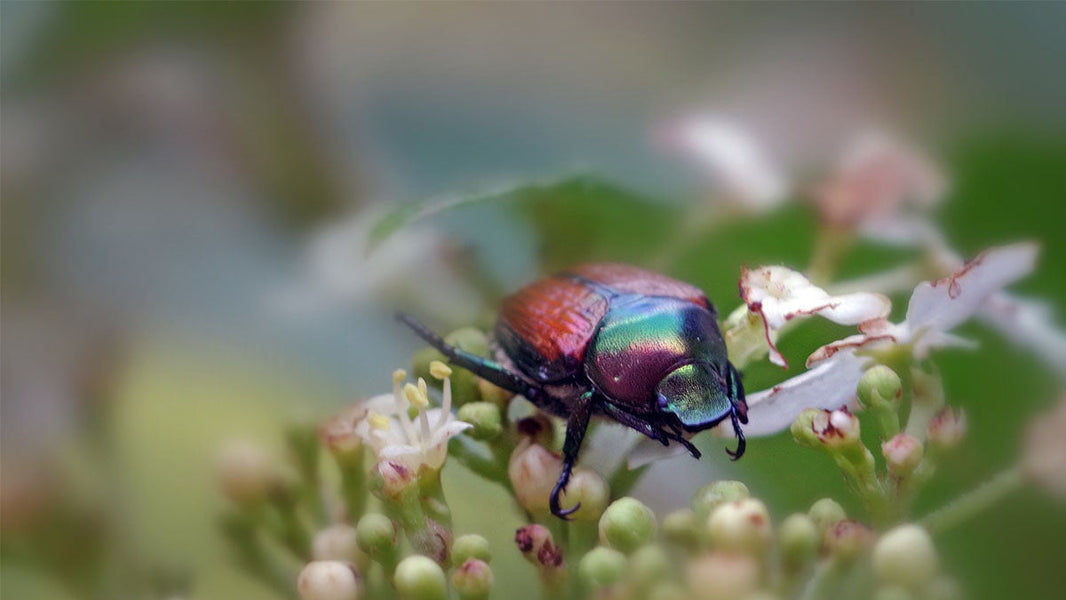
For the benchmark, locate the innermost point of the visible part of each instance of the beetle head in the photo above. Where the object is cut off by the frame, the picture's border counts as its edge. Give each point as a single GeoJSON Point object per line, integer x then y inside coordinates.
{"type": "Point", "coordinates": [700, 394]}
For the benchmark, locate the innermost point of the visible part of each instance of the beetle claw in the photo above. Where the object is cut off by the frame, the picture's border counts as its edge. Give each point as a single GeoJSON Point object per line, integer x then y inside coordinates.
{"type": "Point", "coordinates": [741, 442]}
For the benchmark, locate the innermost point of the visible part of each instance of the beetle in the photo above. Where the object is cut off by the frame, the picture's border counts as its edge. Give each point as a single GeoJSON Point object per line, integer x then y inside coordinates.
{"type": "Point", "coordinates": [614, 341]}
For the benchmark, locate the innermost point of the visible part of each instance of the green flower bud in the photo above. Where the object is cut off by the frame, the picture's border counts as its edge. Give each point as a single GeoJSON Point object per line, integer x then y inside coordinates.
{"type": "Point", "coordinates": [723, 576]}
{"type": "Point", "coordinates": [802, 428]}
{"type": "Point", "coordinates": [879, 388]}
{"type": "Point", "coordinates": [848, 539]}
{"type": "Point", "coordinates": [681, 527]}
{"type": "Point", "coordinates": [493, 393]}
{"type": "Point", "coordinates": [589, 489]}
{"type": "Point", "coordinates": [825, 513]}
{"type": "Point", "coordinates": [627, 524]}
{"type": "Point", "coordinates": [420, 578]}
{"type": "Point", "coordinates": [740, 526]}
{"type": "Point", "coordinates": [376, 535]}
{"type": "Point", "coordinates": [799, 539]}
{"type": "Point", "coordinates": [465, 387]}
{"type": "Point", "coordinates": [947, 429]}
{"type": "Point", "coordinates": [328, 580]}
{"type": "Point", "coordinates": [710, 496]}
{"type": "Point", "coordinates": [470, 546]}
{"type": "Point", "coordinates": [903, 454]}
{"type": "Point", "coordinates": [533, 471]}
{"type": "Point", "coordinates": [648, 566]}
{"type": "Point", "coordinates": [470, 339]}
{"type": "Point", "coordinates": [473, 580]}
{"type": "Point", "coordinates": [602, 567]}
{"type": "Point", "coordinates": [893, 592]}
{"type": "Point", "coordinates": [905, 556]}
{"type": "Point", "coordinates": [485, 417]}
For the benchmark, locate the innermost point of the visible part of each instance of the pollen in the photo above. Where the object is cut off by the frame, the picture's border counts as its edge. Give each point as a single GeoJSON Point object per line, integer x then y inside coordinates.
{"type": "Point", "coordinates": [415, 396]}
{"type": "Point", "coordinates": [439, 370]}
{"type": "Point", "coordinates": [379, 421]}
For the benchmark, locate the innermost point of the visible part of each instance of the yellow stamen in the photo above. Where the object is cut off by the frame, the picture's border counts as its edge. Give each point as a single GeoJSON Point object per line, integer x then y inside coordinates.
{"type": "Point", "coordinates": [415, 396]}
{"type": "Point", "coordinates": [379, 422]}
{"type": "Point", "coordinates": [422, 388]}
{"type": "Point", "coordinates": [439, 370]}
{"type": "Point", "coordinates": [398, 376]}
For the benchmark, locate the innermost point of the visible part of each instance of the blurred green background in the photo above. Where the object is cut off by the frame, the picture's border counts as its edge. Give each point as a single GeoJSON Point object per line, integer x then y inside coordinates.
{"type": "Point", "coordinates": [188, 188]}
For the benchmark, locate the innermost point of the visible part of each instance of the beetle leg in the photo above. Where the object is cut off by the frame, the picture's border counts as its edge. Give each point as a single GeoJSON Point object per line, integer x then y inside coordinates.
{"type": "Point", "coordinates": [478, 365]}
{"type": "Point", "coordinates": [636, 423]}
{"type": "Point", "coordinates": [576, 426]}
{"type": "Point", "coordinates": [741, 443]}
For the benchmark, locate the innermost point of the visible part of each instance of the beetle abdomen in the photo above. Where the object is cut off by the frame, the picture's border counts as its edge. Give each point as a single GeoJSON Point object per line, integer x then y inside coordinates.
{"type": "Point", "coordinates": [546, 326]}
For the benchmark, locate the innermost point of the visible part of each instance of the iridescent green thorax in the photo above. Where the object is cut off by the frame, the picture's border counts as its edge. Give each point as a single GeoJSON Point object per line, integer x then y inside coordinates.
{"type": "Point", "coordinates": [643, 340]}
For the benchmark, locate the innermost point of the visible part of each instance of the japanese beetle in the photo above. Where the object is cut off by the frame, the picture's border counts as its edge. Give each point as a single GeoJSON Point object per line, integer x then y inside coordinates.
{"type": "Point", "coordinates": [615, 341]}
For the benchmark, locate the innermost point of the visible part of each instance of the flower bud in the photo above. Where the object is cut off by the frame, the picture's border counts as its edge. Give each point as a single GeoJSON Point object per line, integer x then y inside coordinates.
{"type": "Point", "coordinates": [244, 471]}
{"type": "Point", "coordinates": [722, 576]}
{"type": "Point", "coordinates": [471, 339]}
{"type": "Point", "coordinates": [947, 429]}
{"type": "Point", "coordinates": [420, 578]}
{"type": "Point", "coordinates": [647, 567]}
{"type": "Point", "coordinates": [493, 393]}
{"type": "Point", "coordinates": [626, 525]}
{"type": "Point", "coordinates": [538, 429]}
{"type": "Point", "coordinates": [328, 580]}
{"type": "Point", "coordinates": [681, 527]}
{"type": "Point", "coordinates": [465, 387]}
{"type": "Point", "coordinates": [533, 471]}
{"type": "Point", "coordinates": [589, 489]}
{"type": "Point", "coordinates": [712, 495]}
{"type": "Point", "coordinates": [602, 567]}
{"type": "Point", "coordinates": [536, 544]}
{"type": "Point", "coordinates": [799, 539]}
{"type": "Point", "coordinates": [740, 526]}
{"type": "Point", "coordinates": [903, 454]}
{"type": "Point", "coordinates": [470, 546]}
{"type": "Point", "coordinates": [848, 539]}
{"type": "Point", "coordinates": [472, 580]}
{"type": "Point", "coordinates": [802, 428]}
{"type": "Point", "coordinates": [433, 541]}
{"type": "Point", "coordinates": [825, 513]}
{"type": "Point", "coordinates": [336, 542]}
{"type": "Point", "coordinates": [389, 479]}
{"type": "Point", "coordinates": [880, 388]}
{"type": "Point", "coordinates": [339, 437]}
{"type": "Point", "coordinates": [485, 417]}
{"type": "Point", "coordinates": [376, 535]}
{"type": "Point", "coordinates": [905, 556]}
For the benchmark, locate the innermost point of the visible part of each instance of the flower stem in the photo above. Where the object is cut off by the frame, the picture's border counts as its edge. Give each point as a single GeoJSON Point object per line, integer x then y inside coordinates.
{"type": "Point", "coordinates": [353, 486]}
{"type": "Point", "coordinates": [974, 502]}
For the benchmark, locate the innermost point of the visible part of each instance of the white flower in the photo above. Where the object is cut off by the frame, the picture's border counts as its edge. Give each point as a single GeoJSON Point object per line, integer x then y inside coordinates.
{"type": "Point", "coordinates": [732, 158]}
{"type": "Point", "coordinates": [393, 435]}
{"type": "Point", "coordinates": [876, 176]}
{"type": "Point", "coordinates": [935, 308]}
{"type": "Point", "coordinates": [779, 294]}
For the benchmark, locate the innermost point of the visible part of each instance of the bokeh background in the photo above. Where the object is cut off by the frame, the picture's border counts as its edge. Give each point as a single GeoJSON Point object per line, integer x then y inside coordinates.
{"type": "Point", "coordinates": [188, 191]}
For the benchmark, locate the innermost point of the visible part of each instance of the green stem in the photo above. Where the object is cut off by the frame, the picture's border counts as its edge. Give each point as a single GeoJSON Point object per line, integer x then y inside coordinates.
{"type": "Point", "coordinates": [489, 468]}
{"type": "Point", "coordinates": [433, 501]}
{"type": "Point", "coordinates": [974, 502]}
{"type": "Point", "coordinates": [829, 247]}
{"type": "Point", "coordinates": [353, 486]}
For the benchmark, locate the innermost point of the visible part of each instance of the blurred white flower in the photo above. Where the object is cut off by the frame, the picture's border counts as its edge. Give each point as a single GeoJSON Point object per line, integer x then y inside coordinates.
{"type": "Point", "coordinates": [1044, 450]}
{"type": "Point", "coordinates": [779, 294]}
{"type": "Point", "coordinates": [935, 308]}
{"type": "Point", "coordinates": [1029, 323]}
{"type": "Point", "coordinates": [875, 178]}
{"type": "Point", "coordinates": [732, 158]}
{"type": "Point", "coordinates": [393, 435]}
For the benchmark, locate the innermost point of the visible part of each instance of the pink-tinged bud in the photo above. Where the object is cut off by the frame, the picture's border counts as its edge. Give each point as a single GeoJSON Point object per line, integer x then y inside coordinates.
{"type": "Point", "coordinates": [434, 541]}
{"type": "Point", "coordinates": [328, 580]}
{"type": "Point", "coordinates": [537, 428]}
{"type": "Point", "coordinates": [338, 434]}
{"type": "Point", "coordinates": [533, 471]}
{"type": "Point", "coordinates": [848, 539]}
{"type": "Point", "coordinates": [537, 546]}
{"type": "Point", "coordinates": [245, 472]}
{"type": "Point", "coordinates": [1044, 453]}
{"type": "Point", "coordinates": [337, 542]}
{"type": "Point", "coordinates": [947, 429]}
{"type": "Point", "coordinates": [903, 454]}
{"type": "Point", "coordinates": [723, 576]}
{"type": "Point", "coordinates": [741, 526]}
{"type": "Point", "coordinates": [473, 580]}
{"type": "Point", "coordinates": [391, 478]}
{"type": "Point", "coordinates": [838, 429]}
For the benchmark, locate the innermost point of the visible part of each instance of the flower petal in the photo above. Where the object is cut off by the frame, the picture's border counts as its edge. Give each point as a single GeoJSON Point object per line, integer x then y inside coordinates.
{"type": "Point", "coordinates": [1028, 323]}
{"type": "Point", "coordinates": [943, 304]}
{"type": "Point", "coordinates": [830, 385]}
{"type": "Point", "coordinates": [733, 159]}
